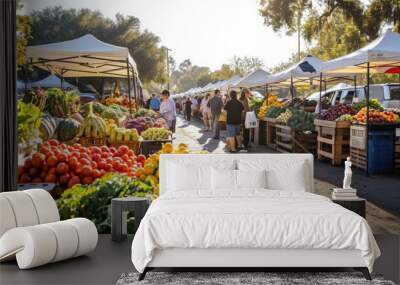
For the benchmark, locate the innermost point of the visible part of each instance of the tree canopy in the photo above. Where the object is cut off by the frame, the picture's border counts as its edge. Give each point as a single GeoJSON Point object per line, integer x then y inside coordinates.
{"type": "Point", "coordinates": [62, 25]}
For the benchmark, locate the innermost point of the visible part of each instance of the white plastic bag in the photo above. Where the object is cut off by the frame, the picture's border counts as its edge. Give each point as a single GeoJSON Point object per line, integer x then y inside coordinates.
{"type": "Point", "coordinates": [251, 120]}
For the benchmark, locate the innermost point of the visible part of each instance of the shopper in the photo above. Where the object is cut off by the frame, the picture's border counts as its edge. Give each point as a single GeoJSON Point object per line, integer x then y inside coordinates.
{"type": "Point", "coordinates": [205, 111]}
{"type": "Point", "coordinates": [195, 106]}
{"type": "Point", "coordinates": [234, 113]}
{"type": "Point", "coordinates": [148, 101]}
{"type": "Point", "coordinates": [188, 109]}
{"type": "Point", "coordinates": [215, 104]}
{"type": "Point", "coordinates": [244, 99]}
{"type": "Point", "coordinates": [154, 103]}
{"type": "Point", "coordinates": [168, 110]}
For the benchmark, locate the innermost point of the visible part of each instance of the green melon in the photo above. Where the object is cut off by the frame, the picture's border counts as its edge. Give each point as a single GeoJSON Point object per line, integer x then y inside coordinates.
{"type": "Point", "coordinates": [67, 129]}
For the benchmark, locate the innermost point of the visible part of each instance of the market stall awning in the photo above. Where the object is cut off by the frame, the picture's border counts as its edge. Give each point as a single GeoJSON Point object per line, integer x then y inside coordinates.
{"type": "Point", "coordinates": [256, 78]}
{"type": "Point", "coordinates": [230, 82]}
{"type": "Point", "coordinates": [381, 54]}
{"type": "Point", "coordinates": [306, 68]}
{"type": "Point", "coordinates": [51, 81]}
{"type": "Point", "coordinates": [85, 56]}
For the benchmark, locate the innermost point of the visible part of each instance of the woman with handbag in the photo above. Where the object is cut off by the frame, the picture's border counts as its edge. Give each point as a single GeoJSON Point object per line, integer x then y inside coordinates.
{"type": "Point", "coordinates": [244, 99]}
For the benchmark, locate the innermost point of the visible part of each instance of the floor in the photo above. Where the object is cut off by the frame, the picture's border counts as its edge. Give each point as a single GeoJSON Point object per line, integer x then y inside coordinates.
{"type": "Point", "coordinates": [383, 207]}
{"type": "Point", "coordinates": [106, 264]}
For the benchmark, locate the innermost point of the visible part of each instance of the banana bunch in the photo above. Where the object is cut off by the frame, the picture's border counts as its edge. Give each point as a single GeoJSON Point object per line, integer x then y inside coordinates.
{"type": "Point", "coordinates": [93, 126]}
{"type": "Point", "coordinates": [156, 134]}
{"type": "Point", "coordinates": [284, 117]}
{"type": "Point", "coordinates": [123, 135]}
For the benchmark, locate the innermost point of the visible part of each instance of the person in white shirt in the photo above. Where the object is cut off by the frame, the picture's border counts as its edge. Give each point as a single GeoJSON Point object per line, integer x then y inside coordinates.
{"type": "Point", "coordinates": [195, 106]}
{"type": "Point", "coordinates": [168, 110]}
{"type": "Point", "coordinates": [206, 112]}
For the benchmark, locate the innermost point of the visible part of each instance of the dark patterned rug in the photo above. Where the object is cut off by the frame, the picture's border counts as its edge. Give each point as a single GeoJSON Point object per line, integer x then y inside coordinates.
{"type": "Point", "coordinates": [244, 278]}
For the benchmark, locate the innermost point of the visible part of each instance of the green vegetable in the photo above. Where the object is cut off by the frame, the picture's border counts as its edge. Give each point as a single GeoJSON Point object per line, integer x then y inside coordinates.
{"type": "Point", "coordinates": [67, 129]}
{"type": "Point", "coordinates": [28, 120]}
{"type": "Point", "coordinates": [94, 201]}
{"type": "Point", "coordinates": [302, 121]}
{"type": "Point", "coordinates": [373, 104]}
{"type": "Point", "coordinates": [274, 112]}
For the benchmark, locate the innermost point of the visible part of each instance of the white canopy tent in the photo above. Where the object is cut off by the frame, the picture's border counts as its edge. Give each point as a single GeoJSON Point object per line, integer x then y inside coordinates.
{"type": "Point", "coordinates": [51, 81]}
{"type": "Point", "coordinates": [229, 83]}
{"type": "Point", "coordinates": [85, 56]}
{"type": "Point", "coordinates": [306, 68]}
{"type": "Point", "coordinates": [379, 56]}
{"type": "Point", "coordinates": [256, 78]}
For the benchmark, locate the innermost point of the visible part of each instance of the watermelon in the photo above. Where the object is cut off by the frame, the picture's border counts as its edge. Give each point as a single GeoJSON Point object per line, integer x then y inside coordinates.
{"type": "Point", "coordinates": [48, 127]}
{"type": "Point", "coordinates": [67, 129]}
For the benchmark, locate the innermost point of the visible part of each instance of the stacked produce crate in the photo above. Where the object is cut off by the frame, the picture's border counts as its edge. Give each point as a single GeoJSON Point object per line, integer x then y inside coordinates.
{"type": "Point", "coordinates": [270, 132]}
{"type": "Point", "coordinates": [333, 140]}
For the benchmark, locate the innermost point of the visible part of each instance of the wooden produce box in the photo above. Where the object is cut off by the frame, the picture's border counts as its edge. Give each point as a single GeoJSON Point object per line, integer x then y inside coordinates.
{"type": "Point", "coordinates": [333, 140]}
{"type": "Point", "coordinates": [86, 141]}
{"type": "Point", "coordinates": [270, 132]}
{"type": "Point", "coordinates": [289, 140]}
{"type": "Point", "coordinates": [133, 145]}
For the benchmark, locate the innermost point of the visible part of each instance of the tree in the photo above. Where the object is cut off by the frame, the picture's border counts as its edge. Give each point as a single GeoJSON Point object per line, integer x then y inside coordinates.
{"type": "Point", "coordinates": [23, 28]}
{"type": "Point", "coordinates": [245, 64]}
{"type": "Point", "coordinates": [185, 65]}
{"type": "Point", "coordinates": [61, 25]}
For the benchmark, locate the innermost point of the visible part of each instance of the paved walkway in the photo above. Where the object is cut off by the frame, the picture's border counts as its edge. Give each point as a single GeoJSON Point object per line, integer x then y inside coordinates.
{"type": "Point", "coordinates": [326, 178]}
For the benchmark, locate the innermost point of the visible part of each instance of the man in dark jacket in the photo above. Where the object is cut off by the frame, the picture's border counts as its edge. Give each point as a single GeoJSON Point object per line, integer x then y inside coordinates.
{"type": "Point", "coordinates": [234, 112]}
{"type": "Point", "coordinates": [215, 104]}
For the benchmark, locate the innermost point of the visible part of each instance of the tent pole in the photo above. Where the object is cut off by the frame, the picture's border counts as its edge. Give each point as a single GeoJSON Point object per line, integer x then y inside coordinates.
{"type": "Point", "coordinates": [367, 122]}
{"type": "Point", "coordinates": [355, 86]}
{"type": "Point", "coordinates": [129, 87]}
{"type": "Point", "coordinates": [62, 80]}
{"type": "Point", "coordinates": [25, 70]}
{"type": "Point", "coordinates": [320, 93]}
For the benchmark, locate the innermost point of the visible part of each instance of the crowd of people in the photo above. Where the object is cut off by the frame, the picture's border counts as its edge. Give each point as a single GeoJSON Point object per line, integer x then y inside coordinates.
{"type": "Point", "coordinates": [209, 109]}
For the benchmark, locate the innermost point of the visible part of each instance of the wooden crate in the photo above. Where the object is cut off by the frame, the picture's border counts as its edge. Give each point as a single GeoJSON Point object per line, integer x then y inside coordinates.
{"type": "Point", "coordinates": [289, 140]}
{"type": "Point", "coordinates": [333, 140]}
{"type": "Point", "coordinates": [149, 147]}
{"type": "Point", "coordinates": [85, 141]}
{"type": "Point", "coordinates": [270, 132]}
{"type": "Point", "coordinates": [133, 145]}
{"type": "Point", "coordinates": [358, 158]}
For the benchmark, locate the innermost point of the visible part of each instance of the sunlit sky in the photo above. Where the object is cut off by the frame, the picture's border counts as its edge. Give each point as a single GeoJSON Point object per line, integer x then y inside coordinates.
{"type": "Point", "coordinates": [208, 32]}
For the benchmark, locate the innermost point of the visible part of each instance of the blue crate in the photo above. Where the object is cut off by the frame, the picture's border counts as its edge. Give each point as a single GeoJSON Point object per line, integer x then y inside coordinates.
{"type": "Point", "coordinates": [380, 151]}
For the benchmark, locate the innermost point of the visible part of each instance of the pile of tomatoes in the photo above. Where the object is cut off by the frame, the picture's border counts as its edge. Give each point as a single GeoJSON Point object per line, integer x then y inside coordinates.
{"type": "Point", "coordinates": [66, 165]}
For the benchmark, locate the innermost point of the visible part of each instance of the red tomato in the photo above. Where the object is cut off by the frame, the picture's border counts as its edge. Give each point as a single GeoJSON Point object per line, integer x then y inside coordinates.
{"type": "Point", "coordinates": [102, 172]}
{"type": "Point", "coordinates": [95, 149]}
{"type": "Point", "coordinates": [51, 178]}
{"type": "Point", "coordinates": [43, 174]}
{"type": "Point", "coordinates": [105, 154]}
{"type": "Point", "coordinates": [94, 164]}
{"type": "Point", "coordinates": [101, 164]}
{"type": "Point", "coordinates": [52, 160]}
{"type": "Point", "coordinates": [74, 180]}
{"type": "Point", "coordinates": [64, 178]}
{"type": "Point", "coordinates": [52, 171]}
{"type": "Point", "coordinates": [62, 168]}
{"type": "Point", "coordinates": [113, 149]}
{"type": "Point", "coordinates": [37, 159]}
{"type": "Point", "coordinates": [108, 167]}
{"type": "Point", "coordinates": [63, 146]}
{"type": "Point", "coordinates": [141, 158]}
{"type": "Point", "coordinates": [75, 154]}
{"type": "Point", "coordinates": [104, 148]}
{"type": "Point", "coordinates": [76, 145]}
{"type": "Point", "coordinates": [53, 142]}
{"type": "Point", "coordinates": [84, 161]}
{"type": "Point", "coordinates": [45, 167]}
{"type": "Point", "coordinates": [34, 172]}
{"type": "Point", "coordinates": [96, 157]}
{"type": "Point", "coordinates": [87, 170]}
{"type": "Point", "coordinates": [125, 157]}
{"type": "Point", "coordinates": [37, 180]}
{"type": "Point", "coordinates": [28, 163]}
{"type": "Point", "coordinates": [61, 157]}
{"type": "Point", "coordinates": [87, 180]}
{"type": "Point", "coordinates": [25, 178]}
{"type": "Point", "coordinates": [72, 161]}
{"type": "Point", "coordinates": [78, 169]}
{"type": "Point", "coordinates": [84, 155]}
{"type": "Point", "coordinates": [96, 173]}
{"type": "Point", "coordinates": [123, 149]}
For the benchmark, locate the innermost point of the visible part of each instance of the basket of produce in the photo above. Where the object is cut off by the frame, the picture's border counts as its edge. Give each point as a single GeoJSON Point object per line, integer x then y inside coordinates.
{"type": "Point", "coordinates": [93, 130]}
{"type": "Point", "coordinates": [153, 140]}
{"type": "Point", "coordinates": [122, 136]}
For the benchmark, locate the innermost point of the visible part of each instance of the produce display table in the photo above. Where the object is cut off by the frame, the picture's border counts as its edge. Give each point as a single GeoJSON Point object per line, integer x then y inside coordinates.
{"type": "Point", "coordinates": [133, 145]}
{"type": "Point", "coordinates": [86, 141]}
{"type": "Point", "coordinates": [262, 132]}
{"type": "Point", "coordinates": [381, 150]}
{"type": "Point", "coordinates": [289, 140]}
{"type": "Point", "coordinates": [119, 210]}
{"type": "Point", "coordinates": [148, 147]}
{"type": "Point", "coordinates": [333, 140]}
